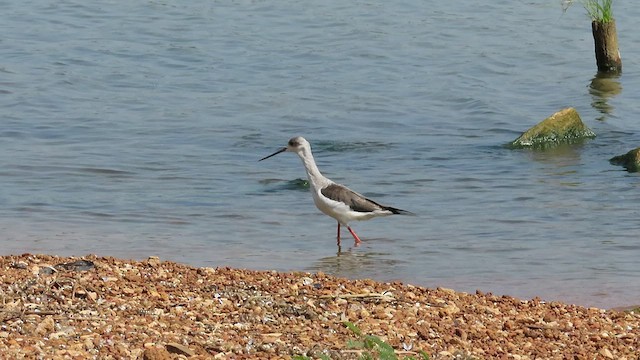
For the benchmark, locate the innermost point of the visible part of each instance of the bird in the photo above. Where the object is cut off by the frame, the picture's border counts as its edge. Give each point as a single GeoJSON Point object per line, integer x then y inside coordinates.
{"type": "Point", "coordinates": [333, 199]}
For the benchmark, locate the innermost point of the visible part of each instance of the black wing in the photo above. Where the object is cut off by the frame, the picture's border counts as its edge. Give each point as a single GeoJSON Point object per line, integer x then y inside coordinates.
{"type": "Point", "coordinates": [356, 201]}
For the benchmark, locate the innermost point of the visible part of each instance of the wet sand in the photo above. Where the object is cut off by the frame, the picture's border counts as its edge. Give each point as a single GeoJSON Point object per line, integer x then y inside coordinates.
{"type": "Point", "coordinates": [106, 308]}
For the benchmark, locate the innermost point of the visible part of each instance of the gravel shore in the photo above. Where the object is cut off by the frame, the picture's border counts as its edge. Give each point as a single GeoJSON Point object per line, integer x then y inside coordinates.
{"type": "Point", "coordinates": [107, 308]}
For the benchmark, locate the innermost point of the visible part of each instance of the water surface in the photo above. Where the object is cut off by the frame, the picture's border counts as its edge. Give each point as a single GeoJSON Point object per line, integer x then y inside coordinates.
{"type": "Point", "coordinates": [134, 129]}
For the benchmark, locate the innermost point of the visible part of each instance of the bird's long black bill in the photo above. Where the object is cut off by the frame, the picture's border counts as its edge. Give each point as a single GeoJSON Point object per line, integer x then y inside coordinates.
{"type": "Point", "coordinates": [274, 154]}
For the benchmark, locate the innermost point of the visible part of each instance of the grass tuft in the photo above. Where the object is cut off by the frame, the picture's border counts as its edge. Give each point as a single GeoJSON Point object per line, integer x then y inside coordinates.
{"type": "Point", "coordinates": [598, 10]}
{"type": "Point", "coordinates": [374, 348]}
{"type": "Point", "coordinates": [370, 348]}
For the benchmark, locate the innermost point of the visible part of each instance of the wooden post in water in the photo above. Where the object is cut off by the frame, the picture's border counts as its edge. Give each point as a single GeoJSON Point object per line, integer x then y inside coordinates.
{"type": "Point", "coordinates": [606, 43]}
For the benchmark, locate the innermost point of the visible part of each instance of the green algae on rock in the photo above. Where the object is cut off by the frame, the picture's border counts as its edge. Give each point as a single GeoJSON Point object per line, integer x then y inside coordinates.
{"type": "Point", "coordinates": [563, 127]}
{"type": "Point", "coordinates": [630, 160]}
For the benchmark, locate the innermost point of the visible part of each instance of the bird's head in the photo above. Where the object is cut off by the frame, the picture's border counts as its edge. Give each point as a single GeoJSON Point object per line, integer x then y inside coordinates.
{"type": "Point", "coordinates": [296, 145]}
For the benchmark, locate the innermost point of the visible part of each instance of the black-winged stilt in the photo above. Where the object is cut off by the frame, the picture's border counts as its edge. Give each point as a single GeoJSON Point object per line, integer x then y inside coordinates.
{"type": "Point", "coordinates": [335, 200]}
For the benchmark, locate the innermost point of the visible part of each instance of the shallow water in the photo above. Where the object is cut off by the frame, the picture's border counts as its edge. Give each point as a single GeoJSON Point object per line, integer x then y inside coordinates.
{"type": "Point", "coordinates": [134, 129]}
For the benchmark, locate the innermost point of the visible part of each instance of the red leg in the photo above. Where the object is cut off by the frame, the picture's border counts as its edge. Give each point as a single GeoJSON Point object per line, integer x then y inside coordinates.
{"type": "Point", "coordinates": [358, 241]}
{"type": "Point", "coordinates": [338, 237]}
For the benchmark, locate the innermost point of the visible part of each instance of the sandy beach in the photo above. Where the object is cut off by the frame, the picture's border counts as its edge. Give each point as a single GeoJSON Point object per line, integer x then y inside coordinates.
{"type": "Point", "coordinates": [106, 308]}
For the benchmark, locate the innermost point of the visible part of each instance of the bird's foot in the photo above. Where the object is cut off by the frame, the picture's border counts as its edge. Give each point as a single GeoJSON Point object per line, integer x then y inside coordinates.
{"type": "Point", "coordinates": [355, 236]}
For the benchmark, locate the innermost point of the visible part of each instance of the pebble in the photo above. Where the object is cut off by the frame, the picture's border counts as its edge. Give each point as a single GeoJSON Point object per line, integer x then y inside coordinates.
{"type": "Point", "coordinates": [102, 307]}
{"type": "Point", "coordinates": [156, 353]}
{"type": "Point", "coordinates": [606, 353]}
{"type": "Point", "coordinates": [179, 349]}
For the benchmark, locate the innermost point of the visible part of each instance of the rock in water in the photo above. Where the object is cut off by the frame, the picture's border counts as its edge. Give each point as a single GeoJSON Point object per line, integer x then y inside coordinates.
{"type": "Point", "coordinates": [563, 127]}
{"type": "Point", "coordinates": [630, 160]}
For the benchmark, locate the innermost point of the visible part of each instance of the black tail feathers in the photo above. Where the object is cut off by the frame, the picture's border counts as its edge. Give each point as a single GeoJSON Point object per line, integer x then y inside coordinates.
{"type": "Point", "coordinates": [399, 211]}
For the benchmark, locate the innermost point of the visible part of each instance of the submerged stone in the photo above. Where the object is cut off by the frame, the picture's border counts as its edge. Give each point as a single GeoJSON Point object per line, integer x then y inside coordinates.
{"type": "Point", "coordinates": [563, 127]}
{"type": "Point", "coordinates": [630, 160]}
